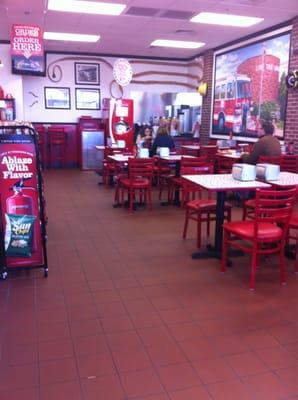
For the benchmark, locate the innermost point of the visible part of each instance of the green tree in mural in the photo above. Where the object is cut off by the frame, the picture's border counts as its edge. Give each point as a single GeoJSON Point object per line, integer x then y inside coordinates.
{"type": "Point", "coordinates": [269, 110]}
{"type": "Point", "coordinates": [282, 96]}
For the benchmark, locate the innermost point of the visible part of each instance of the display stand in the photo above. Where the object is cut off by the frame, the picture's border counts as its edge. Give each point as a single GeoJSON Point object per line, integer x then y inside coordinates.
{"type": "Point", "coordinates": [22, 203]}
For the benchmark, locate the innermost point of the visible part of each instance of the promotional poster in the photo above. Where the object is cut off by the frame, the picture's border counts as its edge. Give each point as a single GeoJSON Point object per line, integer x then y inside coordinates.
{"type": "Point", "coordinates": [19, 201]}
{"type": "Point", "coordinates": [27, 50]}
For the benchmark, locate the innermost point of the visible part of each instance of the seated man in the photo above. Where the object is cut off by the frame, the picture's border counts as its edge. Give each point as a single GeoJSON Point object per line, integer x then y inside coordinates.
{"type": "Point", "coordinates": [267, 145]}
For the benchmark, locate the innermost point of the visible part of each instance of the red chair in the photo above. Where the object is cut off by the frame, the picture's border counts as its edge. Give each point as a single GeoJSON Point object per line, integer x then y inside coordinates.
{"type": "Point", "coordinates": [57, 146]}
{"type": "Point", "coordinates": [293, 235]}
{"type": "Point", "coordinates": [249, 205]}
{"type": "Point", "coordinates": [209, 151]}
{"type": "Point", "coordinates": [139, 181]}
{"type": "Point", "coordinates": [224, 164]}
{"type": "Point", "coordinates": [202, 210]}
{"type": "Point", "coordinates": [289, 163]}
{"type": "Point", "coordinates": [270, 159]}
{"type": "Point", "coordinates": [164, 171]}
{"type": "Point", "coordinates": [188, 166]}
{"type": "Point", "coordinates": [42, 145]}
{"type": "Point", "coordinates": [266, 234]}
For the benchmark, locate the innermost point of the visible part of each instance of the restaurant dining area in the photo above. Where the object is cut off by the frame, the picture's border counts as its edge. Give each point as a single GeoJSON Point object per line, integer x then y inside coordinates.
{"type": "Point", "coordinates": [149, 200]}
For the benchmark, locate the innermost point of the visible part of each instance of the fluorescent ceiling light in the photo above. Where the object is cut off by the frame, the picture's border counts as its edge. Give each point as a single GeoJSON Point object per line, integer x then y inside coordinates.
{"type": "Point", "coordinates": [177, 43]}
{"type": "Point", "coordinates": [87, 7]}
{"type": "Point", "coordinates": [225, 19]}
{"type": "Point", "coordinates": [71, 37]}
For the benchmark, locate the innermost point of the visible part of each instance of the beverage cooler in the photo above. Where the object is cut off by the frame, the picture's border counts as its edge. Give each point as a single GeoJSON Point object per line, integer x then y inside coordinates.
{"type": "Point", "coordinates": [7, 109]}
{"type": "Point", "coordinates": [118, 115]}
{"type": "Point", "coordinates": [91, 143]}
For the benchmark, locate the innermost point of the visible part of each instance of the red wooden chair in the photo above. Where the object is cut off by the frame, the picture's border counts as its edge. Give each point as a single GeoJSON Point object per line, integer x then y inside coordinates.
{"type": "Point", "coordinates": [138, 182]}
{"type": "Point", "coordinates": [42, 145]}
{"type": "Point", "coordinates": [266, 234]}
{"type": "Point", "coordinates": [293, 235]}
{"type": "Point", "coordinates": [202, 210]}
{"type": "Point", "coordinates": [164, 171]}
{"type": "Point", "coordinates": [224, 164]}
{"type": "Point", "coordinates": [249, 205]}
{"type": "Point", "coordinates": [111, 169]}
{"type": "Point", "coordinates": [188, 166]}
{"type": "Point", "coordinates": [289, 163]}
{"type": "Point", "coordinates": [57, 146]}
{"type": "Point", "coordinates": [270, 159]}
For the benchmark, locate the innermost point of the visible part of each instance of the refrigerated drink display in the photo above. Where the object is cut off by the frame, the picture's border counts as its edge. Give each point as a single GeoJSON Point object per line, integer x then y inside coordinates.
{"type": "Point", "coordinates": [7, 109]}
{"type": "Point", "coordinates": [92, 137]}
{"type": "Point", "coordinates": [22, 214]}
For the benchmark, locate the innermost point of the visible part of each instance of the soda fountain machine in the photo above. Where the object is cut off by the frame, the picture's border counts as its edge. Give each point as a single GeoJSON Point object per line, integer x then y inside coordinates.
{"type": "Point", "coordinates": [118, 115]}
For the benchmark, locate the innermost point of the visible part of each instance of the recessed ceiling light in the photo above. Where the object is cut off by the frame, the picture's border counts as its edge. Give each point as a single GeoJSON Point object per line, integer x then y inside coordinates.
{"type": "Point", "coordinates": [72, 37]}
{"type": "Point", "coordinates": [87, 7]}
{"type": "Point", "coordinates": [177, 43]}
{"type": "Point", "coordinates": [225, 19]}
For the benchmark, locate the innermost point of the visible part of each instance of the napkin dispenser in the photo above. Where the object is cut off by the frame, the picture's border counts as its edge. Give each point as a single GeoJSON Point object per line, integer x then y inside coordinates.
{"type": "Point", "coordinates": [268, 172]}
{"type": "Point", "coordinates": [244, 172]}
{"type": "Point", "coordinates": [143, 153]}
{"type": "Point", "coordinates": [163, 151]}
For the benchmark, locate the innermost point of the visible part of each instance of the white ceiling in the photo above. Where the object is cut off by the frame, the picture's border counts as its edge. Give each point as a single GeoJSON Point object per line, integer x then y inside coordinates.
{"type": "Point", "coordinates": [131, 35]}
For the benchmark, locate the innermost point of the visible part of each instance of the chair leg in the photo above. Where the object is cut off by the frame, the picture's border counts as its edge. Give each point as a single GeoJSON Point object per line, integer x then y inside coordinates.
{"type": "Point", "coordinates": [254, 259]}
{"type": "Point", "coordinates": [282, 267]}
{"type": "Point", "coordinates": [131, 198]}
{"type": "Point", "coordinates": [208, 224]}
{"type": "Point", "coordinates": [149, 199]}
{"type": "Point", "coordinates": [224, 251]}
{"type": "Point", "coordinates": [199, 229]}
{"type": "Point", "coordinates": [185, 223]}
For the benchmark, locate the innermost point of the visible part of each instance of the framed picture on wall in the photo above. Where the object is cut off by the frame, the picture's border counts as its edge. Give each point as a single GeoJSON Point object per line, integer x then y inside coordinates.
{"type": "Point", "coordinates": [57, 97]}
{"type": "Point", "coordinates": [87, 74]}
{"type": "Point", "coordinates": [87, 99]}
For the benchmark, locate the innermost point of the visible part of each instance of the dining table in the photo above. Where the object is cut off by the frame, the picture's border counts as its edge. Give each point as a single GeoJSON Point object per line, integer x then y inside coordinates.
{"type": "Point", "coordinates": [220, 184]}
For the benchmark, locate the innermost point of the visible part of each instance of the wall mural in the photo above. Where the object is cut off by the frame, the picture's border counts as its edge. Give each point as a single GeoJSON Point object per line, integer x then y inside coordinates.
{"type": "Point", "coordinates": [250, 86]}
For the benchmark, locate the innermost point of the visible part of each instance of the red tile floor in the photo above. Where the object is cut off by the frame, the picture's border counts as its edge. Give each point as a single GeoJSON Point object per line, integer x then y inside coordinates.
{"type": "Point", "coordinates": [127, 314]}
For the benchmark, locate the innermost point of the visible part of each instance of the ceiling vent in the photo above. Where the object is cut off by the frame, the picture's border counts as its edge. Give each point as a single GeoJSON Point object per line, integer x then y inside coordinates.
{"type": "Point", "coordinates": [189, 32]}
{"type": "Point", "coordinates": [176, 14]}
{"type": "Point", "coordinates": [143, 11]}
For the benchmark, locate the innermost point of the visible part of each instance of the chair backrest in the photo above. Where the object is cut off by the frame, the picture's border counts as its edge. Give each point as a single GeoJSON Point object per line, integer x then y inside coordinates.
{"type": "Point", "coordinates": [289, 163]}
{"type": "Point", "coordinates": [224, 164]}
{"type": "Point", "coordinates": [210, 151]}
{"type": "Point", "coordinates": [270, 159]}
{"type": "Point", "coordinates": [274, 206]}
{"type": "Point", "coordinates": [56, 136]}
{"type": "Point", "coordinates": [200, 169]}
{"type": "Point", "coordinates": [192, 161]}
{"type": "Point", "coordinates": [140, 167]}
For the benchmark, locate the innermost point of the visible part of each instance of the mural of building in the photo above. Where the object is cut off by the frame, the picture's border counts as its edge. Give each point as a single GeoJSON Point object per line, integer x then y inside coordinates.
{"type": "Point", "coordinates": [263, 71]}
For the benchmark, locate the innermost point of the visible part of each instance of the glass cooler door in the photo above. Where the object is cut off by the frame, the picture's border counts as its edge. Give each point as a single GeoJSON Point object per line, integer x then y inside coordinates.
{"type": "Point", "coordinates": [91, 157]}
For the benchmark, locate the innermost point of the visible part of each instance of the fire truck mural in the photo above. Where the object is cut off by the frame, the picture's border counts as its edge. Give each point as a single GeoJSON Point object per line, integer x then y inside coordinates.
{"type": "Point", "coordinates": [250, 87]}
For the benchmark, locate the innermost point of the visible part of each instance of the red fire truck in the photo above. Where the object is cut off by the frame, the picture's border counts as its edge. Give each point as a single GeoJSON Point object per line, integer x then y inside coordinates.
{"type": "Point", "coordinates": [233, 105]}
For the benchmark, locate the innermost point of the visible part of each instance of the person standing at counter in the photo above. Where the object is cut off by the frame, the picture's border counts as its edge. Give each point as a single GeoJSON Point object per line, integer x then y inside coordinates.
{"type": "Point", "coordinates": [267, 145]}
{"type": "Point", "coordinates": [196, 129]}
{"type": "Point", "coordinates": [163, 139]}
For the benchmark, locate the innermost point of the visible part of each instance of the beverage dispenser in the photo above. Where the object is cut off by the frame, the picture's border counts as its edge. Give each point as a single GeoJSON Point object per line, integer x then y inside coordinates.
{"type": "Point", "coordinates": [118, 114]}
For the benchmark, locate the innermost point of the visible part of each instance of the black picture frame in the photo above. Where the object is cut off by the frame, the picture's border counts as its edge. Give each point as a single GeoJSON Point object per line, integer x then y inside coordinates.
{"type": "Point", "coordinates": [87, 99]}
{"type": "Point", "coordinates": [57, 98]}
{"type": "Point", "coordinates": [87, 73]}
